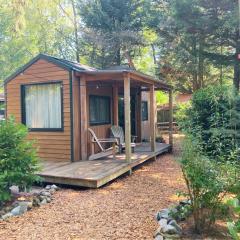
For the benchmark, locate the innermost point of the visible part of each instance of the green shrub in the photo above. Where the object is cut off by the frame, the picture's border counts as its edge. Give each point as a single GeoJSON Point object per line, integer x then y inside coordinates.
{"type": "Point", "coordinates": [214, 119]}
{"type": "Point", "coordinates": [18, 158]}
{"type": "Point", "coordinates": [234, 226]}
{"type": "Point", "coordinates": [207, 181]}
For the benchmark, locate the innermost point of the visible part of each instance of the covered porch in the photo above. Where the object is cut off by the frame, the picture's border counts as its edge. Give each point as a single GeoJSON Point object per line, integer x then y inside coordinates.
{"type": "Point", "coordinates": [124, 85]}
{"type": "Point", "coordinates": [127, 90]}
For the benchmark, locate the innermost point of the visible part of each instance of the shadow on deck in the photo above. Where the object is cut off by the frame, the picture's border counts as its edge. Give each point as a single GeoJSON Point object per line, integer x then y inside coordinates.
{"type": "Point", "coordinates": [94, 174]}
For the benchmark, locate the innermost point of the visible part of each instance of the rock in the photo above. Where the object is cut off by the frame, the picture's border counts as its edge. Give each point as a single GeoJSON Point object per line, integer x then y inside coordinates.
{"type": "Point", "coordinates": [14, 190]}
{"type": "Point", "coordinates": [185, 202]}
{"type": "Point", "coordinates": [174, 224]}
{"type": "Point", "coordinates": [173, 211]}
{"type": "Point", "coordinates": [2, 212]}
{"type": "Point", "coordinates": [27, 204]}
{"type": "Point", "coordinates": [48, 200]}
{"type": "Point", "coordinates": [169, 229]}
{"type": "Point", "coordinates": [19, 209]}
{"type": "Point", "coordinates": [7, 215]}
{"type": "Point", "coordinates": [158, 231]}
{"type": "Point", "coordinates": [41, 197]}
{"type": "Point", "coordinates": [16, 211]}
{"type": "Point", "coordinates": [163, 222]}
{"type": "Point", "coordinates": [36, 202]}
{"type": "Point", "coordinates": [8, 209]}
{"type": "Point", "coordinates": [159, 237]}
{"type": "Point", "coordinates": [48, 187]}
{"type": "Point", "coordinates": [52, 190]}
{"type": "Point", "coordinates": [171, 237]}
{"type": "Point", "coordinates": [163, 214]}
{"type": "Point", "coordinates": [45, 193]}
{"type": "Point", "coordinates": [43, 202]}
{"type": "Point", "coordinates": [56, 188]}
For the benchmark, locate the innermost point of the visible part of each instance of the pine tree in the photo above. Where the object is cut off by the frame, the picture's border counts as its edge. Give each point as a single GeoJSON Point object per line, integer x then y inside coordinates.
{"type": "Point", "coordinates": [115, 27]}
{"type": "Point", "coordinates": [201, 36]}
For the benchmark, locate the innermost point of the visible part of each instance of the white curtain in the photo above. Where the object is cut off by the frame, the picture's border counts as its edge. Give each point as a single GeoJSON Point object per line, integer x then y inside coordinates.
{"type": "Point", "coordinates": [43, 106]}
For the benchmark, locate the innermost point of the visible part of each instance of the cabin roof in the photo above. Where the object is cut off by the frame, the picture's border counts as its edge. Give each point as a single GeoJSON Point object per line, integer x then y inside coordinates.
{"type": "Point", "coordinates": [81, 68]}
{"type": "Point", "coordinates": [63, 63]}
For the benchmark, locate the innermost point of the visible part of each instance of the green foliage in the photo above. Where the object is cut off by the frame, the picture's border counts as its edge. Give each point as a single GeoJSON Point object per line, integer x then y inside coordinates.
{"type": "Point", "coordinates": [155, 36]}
{"type": "Point", "coordinates": [180, 114]}
{"type": "Point", "coordinates": [161, 97]}
{"type": "Point", "coordinates": [207, 181]}
{"type": "Point", "coordinates": [115, 30]}
{"type": "Point", "coordinates": [2, 106]}
{"type": "Point", "coordinates": [18, 158]}
{"type": "Point", "coordinates": [214, 119]}
{"type": "Point", "coordinates": [197, 41]}
{"type": "Point", "coordinates": [234, 226]}
{"type": "Point", "coordinates": [210, 157]}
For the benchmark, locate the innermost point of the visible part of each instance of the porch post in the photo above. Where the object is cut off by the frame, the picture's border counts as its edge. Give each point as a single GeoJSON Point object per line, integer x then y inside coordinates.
{"type": "Point", "coordinates": [139, 115]}
{"type": "Point", "coordinates": [76, 117]}
{"type": "Point", "coordinates": [127, 117]}
{"type": "Point", "coordinates": [171, 117]}
{"type": "Point", "coordinates": [83, 115]}
{"type": "Point", "coordinates": [152, 119]}
{"type": "Point", "coordinates": [115, 105]}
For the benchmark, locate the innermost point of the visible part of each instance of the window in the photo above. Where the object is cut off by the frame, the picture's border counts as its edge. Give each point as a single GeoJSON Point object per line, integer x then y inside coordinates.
{"type": "Point", "coordinates": [99, 110]}
{"type": "Point", "coordinates": [144, 110]}
{"type": "Point", "coordinates": [42, 106]}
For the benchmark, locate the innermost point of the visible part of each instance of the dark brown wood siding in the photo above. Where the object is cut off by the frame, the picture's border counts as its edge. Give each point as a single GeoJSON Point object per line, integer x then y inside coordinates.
{"type": "Point", "coordinates": [102, 131]}
{"type": "Point", "coordinates": [51, 145]}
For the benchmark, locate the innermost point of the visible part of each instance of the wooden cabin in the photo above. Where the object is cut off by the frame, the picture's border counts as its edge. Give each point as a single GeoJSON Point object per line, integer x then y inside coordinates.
{"type": "Point", "coordinates": [58, 100]}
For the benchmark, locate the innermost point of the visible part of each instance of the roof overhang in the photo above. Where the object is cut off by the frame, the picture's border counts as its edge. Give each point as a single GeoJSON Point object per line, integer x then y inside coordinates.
{"type": "Point", "coordinates": [94, 74]}
{"type": "Point", "coordinates": [104, 75]}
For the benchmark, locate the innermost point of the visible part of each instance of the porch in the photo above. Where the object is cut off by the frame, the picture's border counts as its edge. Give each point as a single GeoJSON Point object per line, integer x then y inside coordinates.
{"type": "Point", "coordinates": [121, 94]}
{"type": "Point", "coordinates": [115, 97]}
{"type": "Point", "coordinates": [97, 173]}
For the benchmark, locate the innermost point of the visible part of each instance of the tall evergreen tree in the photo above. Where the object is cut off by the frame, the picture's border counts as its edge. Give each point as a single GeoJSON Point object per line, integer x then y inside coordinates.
{"type": "Point", "coordinates": [201, 35]}
{"type": "Point", "coordinates": [115, 27]}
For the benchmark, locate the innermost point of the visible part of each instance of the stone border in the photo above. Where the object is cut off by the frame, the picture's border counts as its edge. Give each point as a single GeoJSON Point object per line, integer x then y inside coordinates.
{"type": "Point", "coordinates": [167, 219]}
{"type": "Point", "coordinates": [26, 201]}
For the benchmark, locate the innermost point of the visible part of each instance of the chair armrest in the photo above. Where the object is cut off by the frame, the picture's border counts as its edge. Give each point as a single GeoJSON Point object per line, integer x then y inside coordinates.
{"type": "Point", "coordinates": [108, 140]}
{"type": "Point", "coordinates": [133, 138]}
{"type": "Point", "coordinates": [118, 140]}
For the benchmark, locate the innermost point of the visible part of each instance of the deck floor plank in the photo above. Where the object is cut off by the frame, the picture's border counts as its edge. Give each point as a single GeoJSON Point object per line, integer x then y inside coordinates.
{"type": "Point", "coordinates": [98, 172]}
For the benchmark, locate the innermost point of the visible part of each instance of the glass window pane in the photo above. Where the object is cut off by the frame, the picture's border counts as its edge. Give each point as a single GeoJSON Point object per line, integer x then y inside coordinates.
{"type": "Point", "coordinates": [43, 106]}
{"type": "Point", "coordinates": [99, 110]}
{"type": "Point", "coordinates": [144, 110]}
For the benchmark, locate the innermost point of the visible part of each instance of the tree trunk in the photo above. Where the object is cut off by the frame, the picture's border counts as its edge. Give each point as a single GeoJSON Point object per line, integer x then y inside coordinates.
{"type": "Point", "coordinates": [129, 58]}
{"type": "Point", "coordinates": [236, 78]}
{"type": "Point", "coordinates": [154, 54]}
{"type": "Point", "coordinates": [118, 57]}
{"type": "Point", "coordinates": [77, 52]}
{"type": "Point", "coordinates": [221, 68]}
{"type": "Point", "coordinates": [195, 61]}
{"type": "Point", "coordinates": [200, 63]}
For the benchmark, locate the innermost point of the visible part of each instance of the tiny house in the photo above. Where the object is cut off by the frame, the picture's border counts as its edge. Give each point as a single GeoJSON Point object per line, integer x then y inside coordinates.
{"type": "Point", "coordinates": [58, 100]}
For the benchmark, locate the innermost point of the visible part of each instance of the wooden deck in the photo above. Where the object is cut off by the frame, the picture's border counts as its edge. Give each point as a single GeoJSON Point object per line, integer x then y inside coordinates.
{"type": "Point", "coordinates": [95, 174]}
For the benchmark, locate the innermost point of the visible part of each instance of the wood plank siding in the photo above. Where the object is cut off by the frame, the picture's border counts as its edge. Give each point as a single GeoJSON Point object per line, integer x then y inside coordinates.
{"type": "Point", "coordinates": [146, 129]}
{"type": "Point", "coordinates": [51, 145]}
{"type": "Point", "coordinates": [102, 131]}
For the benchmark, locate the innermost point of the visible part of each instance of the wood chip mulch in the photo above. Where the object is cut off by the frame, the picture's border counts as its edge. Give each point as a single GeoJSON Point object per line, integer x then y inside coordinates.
{"type": "Point", "coordinates": [123, 209]}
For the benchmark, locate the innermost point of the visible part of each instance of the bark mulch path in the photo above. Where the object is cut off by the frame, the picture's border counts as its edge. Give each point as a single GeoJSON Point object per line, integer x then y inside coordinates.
{"type": "Point", "coordinates": [123, 209]}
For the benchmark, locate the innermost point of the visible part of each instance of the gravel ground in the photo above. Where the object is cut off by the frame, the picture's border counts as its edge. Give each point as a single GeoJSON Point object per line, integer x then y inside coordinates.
{"type": "Point", "coordinates": [123, 209]}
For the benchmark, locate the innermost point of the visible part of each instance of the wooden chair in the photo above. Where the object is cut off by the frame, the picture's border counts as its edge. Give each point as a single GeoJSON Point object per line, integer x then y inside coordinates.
{"type": "Point", "coordinates": [104, 151]}
{"type": "Point", "coordinates": [117, 132]}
